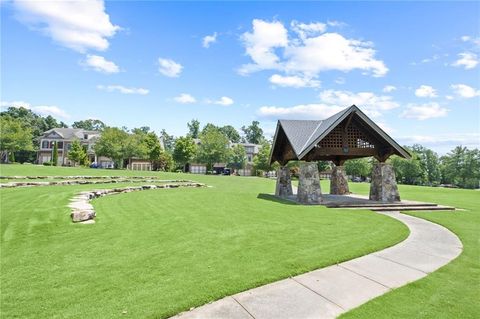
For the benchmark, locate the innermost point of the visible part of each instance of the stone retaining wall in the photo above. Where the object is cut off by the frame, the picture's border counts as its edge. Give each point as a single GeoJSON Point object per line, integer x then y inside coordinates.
{"type": "Point", "coordinates": [87, 182]}
{"type": "Point", "coordinates": [77, 177]}
{"type": "Point", "coordinates": [83, 212]}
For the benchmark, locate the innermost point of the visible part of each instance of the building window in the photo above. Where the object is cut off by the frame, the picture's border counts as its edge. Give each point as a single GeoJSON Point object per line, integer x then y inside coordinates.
{"type": "Point", "coordinates": [69, 146]}
{"type": "Point", "coordinates": [52, 143]}
{"type": "Point", "coordinates": [44, 144]}
{"type": "Point", "coordinates": [60, 145]}
{"type": "Point", "coordinates": [85, 136]}
{"type": "Point", "coordinates": [249, 149]}
{"type": "Point", "coordinates": [249, 158]}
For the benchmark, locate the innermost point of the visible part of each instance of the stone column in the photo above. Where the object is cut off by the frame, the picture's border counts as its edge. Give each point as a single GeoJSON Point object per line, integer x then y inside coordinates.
{"type": "Point", "coordinates": [383, 186]}
{"type": "Point", "coordinates": [339, 181]}
{"type": "Point", "coordinates": [309, 191]}
{"type": "Point", "coordinates": [284, 182]}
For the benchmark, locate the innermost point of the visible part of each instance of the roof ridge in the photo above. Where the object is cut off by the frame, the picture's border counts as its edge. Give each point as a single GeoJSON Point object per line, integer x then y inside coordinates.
{"type": "Point", "coordinates": [308, 140]}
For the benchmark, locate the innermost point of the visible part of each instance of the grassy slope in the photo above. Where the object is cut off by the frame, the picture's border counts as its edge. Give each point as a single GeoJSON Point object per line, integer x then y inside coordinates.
{"type": "Point", "coordinates": [454, 290]}
{"type": "Point", "coordinates": [158, 252]}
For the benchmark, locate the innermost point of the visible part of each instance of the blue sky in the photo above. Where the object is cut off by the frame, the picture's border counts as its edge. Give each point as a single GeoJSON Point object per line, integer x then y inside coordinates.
{"type": "Point", "coordinates": [413, 67]}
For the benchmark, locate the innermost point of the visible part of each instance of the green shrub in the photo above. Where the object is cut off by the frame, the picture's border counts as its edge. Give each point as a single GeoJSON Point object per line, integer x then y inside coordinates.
{"type": "Point", "coordinates": [47, 163]}
{"type": "Point", "coordinates": [260, 172]}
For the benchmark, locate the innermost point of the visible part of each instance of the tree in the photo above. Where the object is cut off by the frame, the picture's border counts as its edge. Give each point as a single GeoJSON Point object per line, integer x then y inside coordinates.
{"type": "Point", "coordinates": [261, 160]}
{"type": "Point", "coordinates": [208, 127]}
{"type": "Point", "coordinates": [14, 136]}
{"type": "Point", "coordinates": [55, 154]}
{"type": "Point", "coordinates": [165, 162]}
{"type": "Point", "coordinates": [214, 147]}
{"type": "Point", "coordinates": [253, 133]}
{"type": "Point", "coordinates": [113, 143]}
{"type": "Point", "coordinates": [36, 124]}
{"type": "Point", "coordinates": [408, 171]}
{"type": "Point", "coordinates": [461, 167]}
{"type": "Point", "coordinates": [238, 157]}
{"type": "Point", "coordinates": [168, 141]}
{"type": "Point", "coordinates": [430, 163]}
{"type": "Point", "coordinates": [193, 128]}
{"type": "Point", "coordinates": [184, 151]}
{"type": "Point", "coordinates": [90, 124]}
{"type": "Point", "coordinates": [77, 154]}
{"type": "Point", "coordinates": [323, 165]}
{"type": "Point", "coordinates": [231, 133]}
{"type": "Point", "coordinates": [360, 167]}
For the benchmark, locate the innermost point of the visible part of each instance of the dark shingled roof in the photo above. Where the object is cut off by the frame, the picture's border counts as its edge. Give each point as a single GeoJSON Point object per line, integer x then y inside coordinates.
{"type": "Point", "coordinates": [303, 135]}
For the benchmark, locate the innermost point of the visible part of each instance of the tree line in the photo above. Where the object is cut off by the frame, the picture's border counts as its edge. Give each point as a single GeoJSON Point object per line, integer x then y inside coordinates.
{"type": "Point", "coordinates": [210, 144]}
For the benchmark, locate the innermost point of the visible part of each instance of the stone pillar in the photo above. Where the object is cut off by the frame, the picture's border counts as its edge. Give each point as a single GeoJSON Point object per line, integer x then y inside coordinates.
{"type": "Point", "coordinates": [309, 191]}
{"type": "Point", "coordinates": [383, 186]}
{"type": "Point", "coordinates": [284, 182]}
{"type": "Point", "coordinates": [339, 181]}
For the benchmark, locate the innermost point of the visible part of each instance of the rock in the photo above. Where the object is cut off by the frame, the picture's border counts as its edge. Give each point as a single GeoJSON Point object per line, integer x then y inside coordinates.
{"type": "Point", "coordinates": [284, 182]}
{"type": "Point", "coordinates": [82, 215]}
{"type": "Point", "coordinates": [339, 181]}
{"type": "Point", "coordinates": [383, 186]}
{"type": "Point", "coordinates": [309, 191]}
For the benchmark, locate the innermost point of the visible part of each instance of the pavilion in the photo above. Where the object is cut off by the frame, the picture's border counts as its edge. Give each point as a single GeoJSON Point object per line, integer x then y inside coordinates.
{"type": "Point", "coordinates": [346, 135]}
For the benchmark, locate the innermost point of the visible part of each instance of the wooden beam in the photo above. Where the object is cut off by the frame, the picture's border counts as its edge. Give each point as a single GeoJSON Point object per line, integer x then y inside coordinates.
{"type": "Point", "coordinates": [349, 119]}
{"type": "Point", "coordinates": [336, 151]}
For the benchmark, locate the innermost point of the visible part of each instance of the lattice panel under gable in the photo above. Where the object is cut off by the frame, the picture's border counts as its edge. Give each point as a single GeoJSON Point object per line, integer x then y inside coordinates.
{"type": "Point", "coordinates": [355, 138]}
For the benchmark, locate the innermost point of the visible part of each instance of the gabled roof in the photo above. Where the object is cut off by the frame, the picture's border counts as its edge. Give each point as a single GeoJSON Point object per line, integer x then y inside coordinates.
{"type": "Point", "coordinates": [71, 133]}
{"type": "Point", "coordinates": [304, 135]}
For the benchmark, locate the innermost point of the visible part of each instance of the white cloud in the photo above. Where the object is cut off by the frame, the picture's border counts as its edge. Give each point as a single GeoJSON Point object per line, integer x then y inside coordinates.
{"type": "Point", "coordinates": [443, 142]}
{"type": "Point", "coordinates": [16, 104]}
{"type": "Point", "coordinates": [100, 64]}
{"type": "Point", "coordinates": [293, 81]}
{"type": "Point", "coordinates": [340, 80]}
{"type": "Point", "coordinates": [123, 89]}
{"type": "Point", "coordinates": [425, 91]}
{"type": "Point", "coordinates": [308, 54]}
{"type": "Point", "coordinates": [308, 30]}
{"type": "Point", "coordinates": [209, 39]}
{"type": "Point", "coordinates": [389, 88]}
{"type": "Point", "coordinates": [224, 100]}
{"type": "Point", "coordinates": [331, 51]}
{"type": "Point", "coordinates": [169, 67]}
{"type": "Point", "coordinates": [449, 97]}
{"type": "Point", "coordinates": [77, 25]}
{"type": "Point", "coordinates": [302, 111]}
{"type": "Point", "coordinates": [260, 45]}
{"type": "Point", "coordinates": [372, 104]}
{"type": "Point", "coordinates": [464, 90]}
{"type": "Point", "coordinates": [424, 111]}
{"type": "Point", "coordinates": [473, 40]}
{"type": "Point", "coordinates": [467, 60]}
{"type": "Point", "coordinates": [332, 102]}
{"type": "Point", "coordinates": [40, 109]}
{"type": "Point", "coordinates": [185, 98]}
{"type": "Point", "coordinates": [50, 110]}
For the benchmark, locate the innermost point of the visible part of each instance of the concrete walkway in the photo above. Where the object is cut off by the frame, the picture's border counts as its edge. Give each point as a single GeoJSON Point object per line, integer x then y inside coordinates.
{"type": "Point", "coordinates": [330, 291]}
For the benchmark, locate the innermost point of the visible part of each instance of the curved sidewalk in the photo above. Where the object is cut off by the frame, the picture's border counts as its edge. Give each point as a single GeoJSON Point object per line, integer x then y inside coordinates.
{"type": "Point", "coordinates": [331, 291]}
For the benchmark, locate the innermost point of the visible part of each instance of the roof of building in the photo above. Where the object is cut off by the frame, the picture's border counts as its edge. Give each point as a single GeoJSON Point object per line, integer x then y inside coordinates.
{"type": "Point", "coordinates": [303, 135]}
{"type": "Point", "coordinates": [72, 133]}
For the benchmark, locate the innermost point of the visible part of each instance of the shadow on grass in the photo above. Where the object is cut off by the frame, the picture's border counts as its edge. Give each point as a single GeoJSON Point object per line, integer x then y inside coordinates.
{"type": "Point", "coordinates": [275, 199]}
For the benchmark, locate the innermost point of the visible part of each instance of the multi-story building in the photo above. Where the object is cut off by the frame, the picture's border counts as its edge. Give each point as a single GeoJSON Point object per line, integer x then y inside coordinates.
{"type": "Point", "coordinates": [64, 138]}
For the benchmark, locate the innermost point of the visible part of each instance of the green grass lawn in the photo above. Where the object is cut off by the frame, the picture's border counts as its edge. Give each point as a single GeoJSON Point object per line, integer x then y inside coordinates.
{"type": "Point", "coordinates": [452, 291]}
{"type": "Point", "coordinates": [158, 252]}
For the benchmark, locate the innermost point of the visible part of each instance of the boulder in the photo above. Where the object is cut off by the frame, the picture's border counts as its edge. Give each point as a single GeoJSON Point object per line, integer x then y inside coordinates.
{"type": "Point", "coordinates": [82, 215]}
